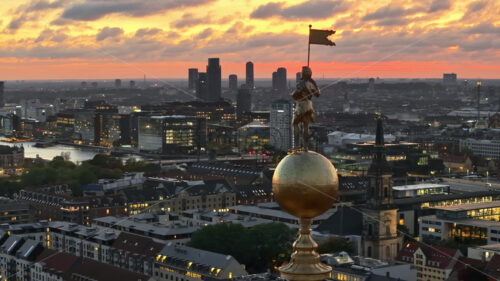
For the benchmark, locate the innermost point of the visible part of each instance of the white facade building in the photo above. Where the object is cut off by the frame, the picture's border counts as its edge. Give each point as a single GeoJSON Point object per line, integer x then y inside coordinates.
{"type": "Point", "coordinates": [281, 125]}
{"type": "Point", "coordinates": [485, 148]}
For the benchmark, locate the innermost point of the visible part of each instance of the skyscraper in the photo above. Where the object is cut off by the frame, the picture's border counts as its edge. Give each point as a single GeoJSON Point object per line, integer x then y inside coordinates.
{"type": "Point", "coordinates": [371, 86]}
{"type": "Point", "coordinates": [193, 78]}
{"type": "Point", "coordinates": [233, 82]}
{"type": "Point", "coordinates": [132, 84]}
{"type": "Point", "coordinates": [243, 102]}
{"type": "Point", "coordinates": [202, 87]}
{"type": "Point", "coordinates": [214, 79]}
{"type": "Point", "coordinates": [281, 125]}
{"type": "Point", "coordinates": [249, 75]}
{"type": "Point", "coordinates": [449, 78]}
{"type": "Point", "coordinates": [298, 75]}
{"type": "Point", "coordinates": [275, 78]}
{"type": "Point", "coordinates": [280, 83]}
{"type": "Point", "coordinates": [2, 104]}
{"type": "Point", "coordinates": [118, 83]}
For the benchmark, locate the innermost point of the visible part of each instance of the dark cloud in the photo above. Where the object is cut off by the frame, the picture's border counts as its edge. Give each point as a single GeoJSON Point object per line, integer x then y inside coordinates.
{"type": "Point", "coordinates": [189, 20]}
{"type": "Point", "coordinates": [239, 28]}
{"type": "Point", "coordinates": [256, 43]}
{"type": "Point", "coordinates": [390, 11]}
{"type": "Point", "coordinates": [61, 21]}
{"type": "Point", "coordinates": [17, 22]}
{"type": "Point", "coordinates": [147, 32]}
{"type": "Point", "coordinates": [484, 28]}
{"type": "Point", "coordinates": [392, 22]}
{"type": "Point", "coordinates": [94, 9]}
{"type": "Point", "coordinates": [439, 5]}
{"type": "Point", "coordinates": [36, 6]}
{"type": "Point", "coordinates": [315, 10]}
{"type": "Point", "coordinates": [267, 10]}
{"type": "Point", "coordinates": [31, 12]}
{"type": "Point", "coordinates": [108, 32]}
{"type": "Point", "coordinates": [173, 35]}
{"type": "Point", "coordinates": [307, 10]}
{"type": "Point", "coordinates": [51, 35]}
{"type": "Point", "coordinates": [474, 10]}
{"type": "Point", "coordinates": [476, 6]}
{"type": "Point", "coordinates": [204, 34]}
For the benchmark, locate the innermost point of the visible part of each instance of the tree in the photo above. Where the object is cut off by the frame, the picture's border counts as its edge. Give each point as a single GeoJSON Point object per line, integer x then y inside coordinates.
{"type": "Point", "coordinates": [335, 244]}
{"type": "Point", "coordinates": [260, 248]}
{"type": "Point", "coordinates": [405, 232]}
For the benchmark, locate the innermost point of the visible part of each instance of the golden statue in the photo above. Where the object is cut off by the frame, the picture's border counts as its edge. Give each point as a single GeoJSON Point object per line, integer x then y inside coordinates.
{"type": "Point", "coordinates": [305, 184]}
{"type": "Point", "coordinates": [304, 111]}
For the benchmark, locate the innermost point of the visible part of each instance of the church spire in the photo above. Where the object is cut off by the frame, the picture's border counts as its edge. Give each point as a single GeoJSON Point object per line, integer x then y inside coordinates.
{"type": "Point", "coordinates": [379, 163]}
{"type": "Point", "coordinates": [379, 139]}
{"type": "Point", "coordinates": [379, 173]}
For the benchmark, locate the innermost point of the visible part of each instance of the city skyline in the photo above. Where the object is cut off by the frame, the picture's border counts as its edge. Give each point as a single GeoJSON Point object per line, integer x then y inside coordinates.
{"type": "Point", "coordinates": [126, 39]}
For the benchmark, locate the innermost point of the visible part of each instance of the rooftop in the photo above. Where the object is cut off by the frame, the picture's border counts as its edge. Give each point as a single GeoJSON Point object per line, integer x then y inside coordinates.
{"type": "Point", "coordinates": [149, 228]}
{"type": "Point", "coordinates": [473, 206]}
{"type": "Point", "coordinates": [473, 222]}
{"type": "Point", "coordinates": [197, 256]}
{"type": "Point", "coordinates": [274, 213]}
{"type": "Point", "coordinates": [420, 186]}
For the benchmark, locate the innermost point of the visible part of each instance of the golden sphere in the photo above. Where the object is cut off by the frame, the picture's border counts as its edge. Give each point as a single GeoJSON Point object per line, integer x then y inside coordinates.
{"type": "Point", "coordinates": [305, 184]}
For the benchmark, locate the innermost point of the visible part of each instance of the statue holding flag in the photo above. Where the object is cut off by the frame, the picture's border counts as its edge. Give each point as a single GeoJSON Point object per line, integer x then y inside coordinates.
{"type": "Point", "coordinates": [306, 89]}
{"type": "Point", "coordinates": [304, 111]}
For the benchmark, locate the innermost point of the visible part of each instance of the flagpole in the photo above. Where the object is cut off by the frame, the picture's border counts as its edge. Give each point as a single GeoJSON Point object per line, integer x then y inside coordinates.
{"type": "Point", "coordinates": [309, 45]}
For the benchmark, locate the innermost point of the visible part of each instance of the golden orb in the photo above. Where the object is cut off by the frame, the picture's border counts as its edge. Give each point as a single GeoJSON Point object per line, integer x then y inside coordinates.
{"type": "Point", "coordinates": [305, 184]}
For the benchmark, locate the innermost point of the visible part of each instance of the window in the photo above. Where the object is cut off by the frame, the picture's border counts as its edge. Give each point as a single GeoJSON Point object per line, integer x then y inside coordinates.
{"type": "Point", "coordinates": [369, 251]}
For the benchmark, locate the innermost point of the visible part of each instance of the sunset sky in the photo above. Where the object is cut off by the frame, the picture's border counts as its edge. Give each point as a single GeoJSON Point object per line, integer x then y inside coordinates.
{"type": "Point", "coordinates": [101, 39]}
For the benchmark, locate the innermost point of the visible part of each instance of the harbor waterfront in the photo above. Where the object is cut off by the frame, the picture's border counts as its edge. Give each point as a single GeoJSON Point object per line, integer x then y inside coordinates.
{"type": "Point", "coordinates": [76, 154]}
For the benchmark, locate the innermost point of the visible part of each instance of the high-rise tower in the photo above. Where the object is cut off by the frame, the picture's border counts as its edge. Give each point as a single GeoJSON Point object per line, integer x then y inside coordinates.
{"type": "Point", "coordinates": [249, 75]}
{"type": "Point", "coordinates": [202, 86]}
{"type": "Point", "coordinates": [280, 81]}
{"type": "Point", "coordinates": [233, 82]}
{"type": "Point", "coordinates": [243, 102]}
{"type": "Point", "coordinates": [214, 79]}
{"type": "Point", "coordinates": [281, 125]}
{"type": "Point", "coordinates": [192, 78]}
{"type": "Point", "coordinates": [2, 102]}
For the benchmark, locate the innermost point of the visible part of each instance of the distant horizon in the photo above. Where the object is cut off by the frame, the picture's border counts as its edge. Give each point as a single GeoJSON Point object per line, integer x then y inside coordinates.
{"type": "Point", "coordinates": [241, 80]}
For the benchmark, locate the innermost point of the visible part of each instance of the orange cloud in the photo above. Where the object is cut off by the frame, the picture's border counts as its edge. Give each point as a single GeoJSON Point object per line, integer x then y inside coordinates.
{"type": "Point", "coordinates": [409, 38]}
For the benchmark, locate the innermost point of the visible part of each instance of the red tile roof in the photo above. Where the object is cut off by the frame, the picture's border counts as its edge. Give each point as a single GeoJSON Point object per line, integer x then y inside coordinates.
{"type": "Point", "coordinates": [56, 260]}
{"type": "Point", "coordinates": [493, 266]}
{"type": "Point", "coordinates": [137, 244]}
{"type": "Point", "coordinates": [436, 256]}
{"type": "Point", "coordinates": [101, 272]}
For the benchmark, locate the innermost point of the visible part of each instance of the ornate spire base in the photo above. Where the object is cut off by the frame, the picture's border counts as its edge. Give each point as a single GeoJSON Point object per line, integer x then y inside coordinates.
{"type": "Point", "coordinates": [305, 264]}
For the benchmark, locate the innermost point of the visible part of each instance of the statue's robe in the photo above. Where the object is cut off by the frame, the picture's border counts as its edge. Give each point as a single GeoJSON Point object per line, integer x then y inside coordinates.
{"type": "Point", "coordinates": [304, 111]}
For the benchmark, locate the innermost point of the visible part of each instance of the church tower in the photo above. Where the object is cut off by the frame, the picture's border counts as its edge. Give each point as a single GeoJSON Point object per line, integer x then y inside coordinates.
{"type": "Point", "coordinates": [380, 237]}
